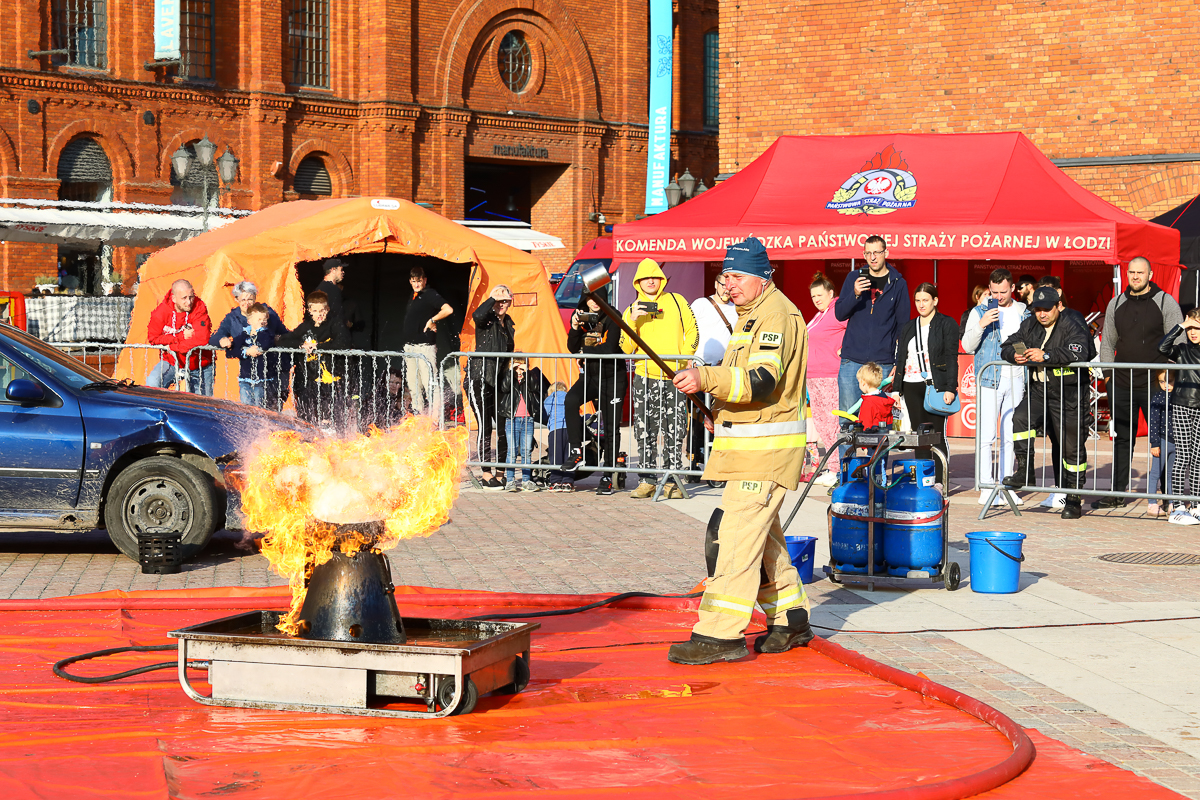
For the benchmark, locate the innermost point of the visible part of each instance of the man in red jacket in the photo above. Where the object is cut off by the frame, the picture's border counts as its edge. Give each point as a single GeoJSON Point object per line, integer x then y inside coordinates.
{"type": "Point", "coordinates": [181, 323]}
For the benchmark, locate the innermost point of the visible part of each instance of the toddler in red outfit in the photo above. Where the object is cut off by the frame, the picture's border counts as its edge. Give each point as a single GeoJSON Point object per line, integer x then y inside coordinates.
{"type": "Point", "coordinates": [876, 407]}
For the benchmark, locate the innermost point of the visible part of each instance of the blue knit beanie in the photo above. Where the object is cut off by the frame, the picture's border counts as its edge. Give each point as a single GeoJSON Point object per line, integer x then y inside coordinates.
{"type": "Point", "coordinates": [748, 258]}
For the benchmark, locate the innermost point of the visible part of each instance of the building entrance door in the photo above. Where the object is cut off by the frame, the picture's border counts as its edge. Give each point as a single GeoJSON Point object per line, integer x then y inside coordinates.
{"type": "Point", "coordinates": [497, 192]}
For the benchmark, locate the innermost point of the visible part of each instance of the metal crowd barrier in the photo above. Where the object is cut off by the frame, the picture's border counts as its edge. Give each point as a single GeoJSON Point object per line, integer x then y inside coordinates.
{"type": "Point", "coordinates": [618, 443]}
{"type": "Point", "coordinates": [1088, 425]}
{"type": "Point", "coordinates": [339, 390]}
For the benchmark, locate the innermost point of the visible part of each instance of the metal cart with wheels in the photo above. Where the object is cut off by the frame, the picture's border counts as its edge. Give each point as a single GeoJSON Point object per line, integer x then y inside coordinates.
{"type": "Point", "coordinates": [882, 443]}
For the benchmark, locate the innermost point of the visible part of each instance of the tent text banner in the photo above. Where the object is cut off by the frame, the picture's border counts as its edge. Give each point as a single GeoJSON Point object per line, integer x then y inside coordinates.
{"type": "Point", "coordinates": [798, 243]}
{"type": "Point", "coordinates": [931, 196]}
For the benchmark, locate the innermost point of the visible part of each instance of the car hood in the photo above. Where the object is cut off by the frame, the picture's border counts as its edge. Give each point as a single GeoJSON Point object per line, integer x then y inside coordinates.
{"type": "Point", "coordinates": [215, 426]}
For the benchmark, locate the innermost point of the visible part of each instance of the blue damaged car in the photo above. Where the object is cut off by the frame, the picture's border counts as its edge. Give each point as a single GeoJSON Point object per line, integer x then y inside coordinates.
{"type": "Point", "coordinates": [79, 450]}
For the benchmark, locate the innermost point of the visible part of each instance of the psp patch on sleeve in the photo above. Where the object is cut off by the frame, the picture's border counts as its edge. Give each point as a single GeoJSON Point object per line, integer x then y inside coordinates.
{"type": "Point", "coordinates": [769, 340]}
{"type": "Point", "coordinates": [751, 487]}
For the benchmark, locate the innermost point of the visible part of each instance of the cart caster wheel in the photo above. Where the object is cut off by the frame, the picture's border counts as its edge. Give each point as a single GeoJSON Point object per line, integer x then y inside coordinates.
{"type": "Point", "coordinates": [466, 703]}
{"type": "Point", "coordinates": [953, 576]}
{"type": "Point", "coordinates": [521, 675]}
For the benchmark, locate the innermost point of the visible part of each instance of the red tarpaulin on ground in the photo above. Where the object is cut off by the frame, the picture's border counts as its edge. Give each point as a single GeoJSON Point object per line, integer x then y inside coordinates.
{"type": "Point", "coordinates": [604, 713]}
{"type": "Point", "coordinates": [932, 196]}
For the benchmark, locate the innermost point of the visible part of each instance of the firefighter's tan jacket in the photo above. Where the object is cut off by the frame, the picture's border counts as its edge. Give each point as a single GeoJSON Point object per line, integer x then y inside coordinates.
{"type": "Point", "coordinates": [760, 440]}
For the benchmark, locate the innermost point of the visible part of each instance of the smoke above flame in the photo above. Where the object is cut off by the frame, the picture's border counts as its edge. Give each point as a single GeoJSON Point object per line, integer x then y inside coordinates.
{"type": "Point", "coordinates": [309, 495]}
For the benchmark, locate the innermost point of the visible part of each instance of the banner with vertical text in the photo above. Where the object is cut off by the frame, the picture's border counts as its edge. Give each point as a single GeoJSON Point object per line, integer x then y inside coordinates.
{"type": "Point", "coordinates": [166, 29]}
{"type": "Point", "coordinates": [658, 146]}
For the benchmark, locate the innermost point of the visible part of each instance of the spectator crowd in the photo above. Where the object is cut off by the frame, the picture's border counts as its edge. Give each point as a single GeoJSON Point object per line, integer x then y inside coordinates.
{"type": "Point", "coordinates": [869, 362]}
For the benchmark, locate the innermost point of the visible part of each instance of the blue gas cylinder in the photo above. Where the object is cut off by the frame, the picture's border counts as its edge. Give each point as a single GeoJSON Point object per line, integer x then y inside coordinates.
{"type": "Point", "coordinates": [909, 548]}
{"type": "Point", "coordinates": [847, 537]}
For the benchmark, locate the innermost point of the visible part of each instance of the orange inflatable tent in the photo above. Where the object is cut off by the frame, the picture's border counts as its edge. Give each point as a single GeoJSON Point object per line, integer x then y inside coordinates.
{"type": "Point", "coordinates": [266, 246]}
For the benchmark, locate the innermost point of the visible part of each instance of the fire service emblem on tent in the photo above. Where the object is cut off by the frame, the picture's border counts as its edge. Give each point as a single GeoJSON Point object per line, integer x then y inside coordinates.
{"type": "Point", "coordinates": [883, 185]}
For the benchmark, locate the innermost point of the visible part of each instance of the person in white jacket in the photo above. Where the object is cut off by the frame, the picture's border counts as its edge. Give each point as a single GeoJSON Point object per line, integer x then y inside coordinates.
{"type": "Point", "coordinates": [715, 317]}
{"type": "Point", "coordinates": [998, 388]}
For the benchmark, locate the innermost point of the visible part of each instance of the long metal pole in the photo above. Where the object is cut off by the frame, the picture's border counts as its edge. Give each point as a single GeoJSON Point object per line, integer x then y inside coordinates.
{"type": "Point", "coordinates": [615, 317]}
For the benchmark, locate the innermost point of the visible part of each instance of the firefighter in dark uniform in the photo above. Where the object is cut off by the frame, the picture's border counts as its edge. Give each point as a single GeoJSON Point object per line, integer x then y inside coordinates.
{"type": "Point", "coordinates": [1056, 397]}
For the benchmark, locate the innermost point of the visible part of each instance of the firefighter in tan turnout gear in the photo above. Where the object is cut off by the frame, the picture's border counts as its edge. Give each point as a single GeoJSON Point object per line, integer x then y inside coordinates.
{"type": "Point", "coordinates": [758, 449]}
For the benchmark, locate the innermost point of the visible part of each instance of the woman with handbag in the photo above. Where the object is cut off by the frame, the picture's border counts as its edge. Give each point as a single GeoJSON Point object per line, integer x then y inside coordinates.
{"type": "Point", "coordinates": [927, 362]}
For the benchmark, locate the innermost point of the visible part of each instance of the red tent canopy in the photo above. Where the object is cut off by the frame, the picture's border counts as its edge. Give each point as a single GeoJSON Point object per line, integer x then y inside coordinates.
{"type": "Point", "coordinates": [932, 196]}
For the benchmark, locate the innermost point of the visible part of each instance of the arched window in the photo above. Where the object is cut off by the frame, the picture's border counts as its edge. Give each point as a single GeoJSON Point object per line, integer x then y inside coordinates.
{"type": "Point", "coordinates": [312, 177]}
{"type": "Point", "coordinates": [84, 171]}
{"type": "Point", "coordinates": [712, 80]}
{"type": "Point", "coordinates": [515, 61]}
{"type": "Point", "coordinates": [84, 174]}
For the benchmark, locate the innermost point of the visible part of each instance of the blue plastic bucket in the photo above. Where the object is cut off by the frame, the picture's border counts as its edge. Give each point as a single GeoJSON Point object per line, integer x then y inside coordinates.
{"type": "Point", "coordinates": [802, 549]}
{"type": "Point", "coordinates": [995, 561]}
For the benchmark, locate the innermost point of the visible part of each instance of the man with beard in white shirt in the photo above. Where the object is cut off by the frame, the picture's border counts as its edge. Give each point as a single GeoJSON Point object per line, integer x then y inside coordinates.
{"type": "Point", "coordinates": [1000, 388]}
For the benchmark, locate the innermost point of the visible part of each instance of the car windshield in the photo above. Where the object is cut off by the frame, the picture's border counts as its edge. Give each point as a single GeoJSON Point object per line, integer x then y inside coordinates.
{"type": "Point", "coordinates": [62, 367]}
{"type": "Point", "coordinates": [571, 289]}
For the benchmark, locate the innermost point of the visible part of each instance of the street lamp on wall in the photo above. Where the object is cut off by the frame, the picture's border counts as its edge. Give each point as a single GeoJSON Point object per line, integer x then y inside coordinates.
{"type": "Point", "coordinates": [226, 169]}
{"type": "Point", "coordinates": [684, 188]}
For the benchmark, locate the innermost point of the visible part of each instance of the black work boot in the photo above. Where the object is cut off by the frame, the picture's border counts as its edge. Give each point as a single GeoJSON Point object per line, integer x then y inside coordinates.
{"type": "Point", "coordinates": [781, 638]}
{"type": "Point", "coordinates": [1074, 507]}
{"type": "Point", "coordinates": [1110, 502]}
{"type": "Point", "coordinates": [1020, 474]}
{"type": "Point", "coordinates": [707, 650]}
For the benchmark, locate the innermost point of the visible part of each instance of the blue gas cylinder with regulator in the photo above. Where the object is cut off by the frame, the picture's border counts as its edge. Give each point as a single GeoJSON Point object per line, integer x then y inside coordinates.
{"type": "Point", "coordinates": [913, 542]}
{"type": "Point", "coordinates": [848, 537]}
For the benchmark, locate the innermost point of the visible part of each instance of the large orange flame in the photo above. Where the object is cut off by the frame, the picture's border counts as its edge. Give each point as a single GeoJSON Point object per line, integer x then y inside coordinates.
{"type": "Point", "coordinates": [305, 493]}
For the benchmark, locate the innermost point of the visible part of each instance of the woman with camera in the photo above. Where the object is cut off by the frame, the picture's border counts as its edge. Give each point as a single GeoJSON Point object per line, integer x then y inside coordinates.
{"type": "Point", "coordinates": [927, 356]}
{"type": "Point", "coordinates": [602, 381]}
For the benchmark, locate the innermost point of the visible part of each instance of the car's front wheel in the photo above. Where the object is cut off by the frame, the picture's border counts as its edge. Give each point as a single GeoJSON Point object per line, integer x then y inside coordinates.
{"type": "Point", "coordinates": [160, 494]}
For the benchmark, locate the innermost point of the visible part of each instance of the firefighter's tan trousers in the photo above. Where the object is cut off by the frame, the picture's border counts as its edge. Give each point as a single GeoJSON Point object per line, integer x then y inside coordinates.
{"type": "Point", "coordinates": [750, 542]}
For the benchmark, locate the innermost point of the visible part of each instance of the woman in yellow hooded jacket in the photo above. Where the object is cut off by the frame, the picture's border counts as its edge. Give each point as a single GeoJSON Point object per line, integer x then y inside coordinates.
{"type": "Point", "coordinates": [665, 322]}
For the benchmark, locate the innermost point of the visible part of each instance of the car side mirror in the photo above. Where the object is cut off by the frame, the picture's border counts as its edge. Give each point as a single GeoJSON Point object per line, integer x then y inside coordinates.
{"type": "Point", "coordinates": [23, 390]}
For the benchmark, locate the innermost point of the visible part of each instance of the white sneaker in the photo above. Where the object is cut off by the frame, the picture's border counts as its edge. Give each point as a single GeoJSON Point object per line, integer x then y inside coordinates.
{"type": "Point", "coordinates": [1195, 511]}
{"type": "Point", "coordinates": [530, 486]}
{"type": "Point", "coordinates": [1180, 516]}
{"type": "Point", "coordinates": [998, 500]}
{"type": "Point", "coordinates": [1055, 500]}
{"type": "Point", "coordinates": [1020, 500]}
{"type": "Point", "coordinates": [826, 478]}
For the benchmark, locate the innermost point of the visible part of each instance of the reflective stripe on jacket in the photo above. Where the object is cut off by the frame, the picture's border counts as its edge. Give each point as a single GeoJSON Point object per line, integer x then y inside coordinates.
{"type": "Point", "coordinates": [763, 440]}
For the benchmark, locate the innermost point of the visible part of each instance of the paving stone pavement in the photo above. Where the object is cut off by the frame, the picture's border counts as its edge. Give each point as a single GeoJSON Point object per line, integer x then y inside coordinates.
{"type": "Point", "coordinates": [581, 543]}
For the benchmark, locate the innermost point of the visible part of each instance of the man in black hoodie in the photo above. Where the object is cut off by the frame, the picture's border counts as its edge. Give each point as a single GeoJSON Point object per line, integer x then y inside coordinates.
{"type": "Point", "coordinates": [335, 272]}
{"type": "Point", "coordinates": [322, 382]}
{"type": "Point", "coordinates": [1134, 323]}
{"type": "Point", "coordinates": [602, 381]}
{"type": "Point", "coordinates": [494, 333]}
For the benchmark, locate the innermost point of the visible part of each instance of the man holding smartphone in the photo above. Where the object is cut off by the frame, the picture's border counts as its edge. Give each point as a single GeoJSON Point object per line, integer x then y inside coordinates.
{"type": "Point", "coordinates": [875, 306]}
{"type": "Point", "coordinates": [1056, 399]}
{"type": "Point", "coordinates": [1000, 389]}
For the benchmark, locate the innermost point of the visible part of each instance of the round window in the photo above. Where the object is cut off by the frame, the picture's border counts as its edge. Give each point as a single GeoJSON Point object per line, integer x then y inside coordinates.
{"type": "Point", "coordinates": [514, 61]}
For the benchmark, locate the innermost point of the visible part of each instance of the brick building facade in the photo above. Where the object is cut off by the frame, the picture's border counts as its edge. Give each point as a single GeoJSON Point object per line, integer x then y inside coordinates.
{"type": "Point", "coordinates": [1107, 86]}
{"type": "Point", "coordinates": [533, 109]}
